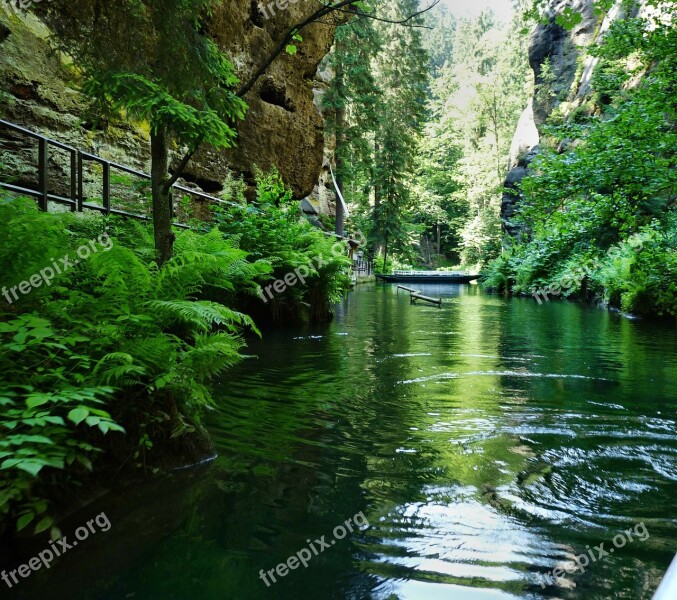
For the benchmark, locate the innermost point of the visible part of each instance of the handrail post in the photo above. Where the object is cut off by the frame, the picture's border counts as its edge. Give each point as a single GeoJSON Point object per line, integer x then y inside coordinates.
{"type": "Point", "coordinates": [42, 173]}
{"type": "Point", "coordinates": [106, 187]}
{"type": "Point", "coordinates": [80, 183]}
{"type": "Point", "coordinates": [74, 180]}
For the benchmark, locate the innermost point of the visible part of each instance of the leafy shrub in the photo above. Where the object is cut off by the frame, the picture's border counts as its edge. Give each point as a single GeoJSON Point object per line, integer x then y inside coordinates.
{"type": "Point", "coordinates": [114, 344]}
{"type": "Point", "coordinates": [499, 274]}
{"type": "Point", "coordinates": [644, 280]}
{"type": "Point", "coordinates": [273, 230]}
{"type": "Point", "coordinates": [43, 412]}
{"type": "Point", "coordinates": [617, 181]}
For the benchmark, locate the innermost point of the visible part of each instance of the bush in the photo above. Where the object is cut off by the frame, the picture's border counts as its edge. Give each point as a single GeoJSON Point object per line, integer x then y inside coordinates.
{"type": "Point", "coordinates": [272, 229]}
{"type": "Point", "coordinates": [585, 205]}
{"type": "Point", "coordinates": [114, 346]}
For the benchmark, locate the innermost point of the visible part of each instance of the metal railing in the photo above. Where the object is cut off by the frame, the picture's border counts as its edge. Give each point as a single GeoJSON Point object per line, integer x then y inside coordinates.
{"type": "Point", "coordinates": [430, 273]}
{"type": "Point", "coordinates": [362, 266]}
{"type": "Point", "coordinates": [76, 199]}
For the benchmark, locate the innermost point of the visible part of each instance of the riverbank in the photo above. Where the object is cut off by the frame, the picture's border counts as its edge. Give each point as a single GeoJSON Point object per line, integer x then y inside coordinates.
{"type": "Point", "coordinates": [127, 350]}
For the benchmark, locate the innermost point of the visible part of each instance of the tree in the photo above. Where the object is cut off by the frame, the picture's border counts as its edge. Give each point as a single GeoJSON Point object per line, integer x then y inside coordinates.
{"type": "Point", "coordinates": [351, 103]}
{"type": "Point", "coordinates": [599, 216]}
{"type": "Point", "coordinates": [475, 101]}
{"type": "Point", "coordinates": [402, 69]}
{"type": "Point", "coordinates": [153, 61]}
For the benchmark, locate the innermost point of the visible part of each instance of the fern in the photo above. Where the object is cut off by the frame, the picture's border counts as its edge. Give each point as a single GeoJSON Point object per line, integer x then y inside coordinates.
{"type": "Point", "coordinates": [201, 316]}
{"type": "Point", "coordinates": [212, 354]}
{"type": "Point", "coordinates": [116, 338]}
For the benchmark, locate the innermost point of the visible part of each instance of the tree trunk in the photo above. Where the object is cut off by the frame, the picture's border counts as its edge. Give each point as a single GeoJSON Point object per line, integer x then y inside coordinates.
{"type": "Point", "coordinates": [385, 254]}
{"type": "Point", "coordinates": [378, 244]}
{"type": "Point", "coordinates": [162, 197]}
{"type": "Point", "coordinates": [439, 239]}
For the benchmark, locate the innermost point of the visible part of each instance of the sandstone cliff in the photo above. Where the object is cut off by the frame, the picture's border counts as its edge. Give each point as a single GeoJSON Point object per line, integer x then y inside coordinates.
{"type": "Point", "coordinates": [284, 127]}
{"type": "Point", "coordinates": [564, 86]}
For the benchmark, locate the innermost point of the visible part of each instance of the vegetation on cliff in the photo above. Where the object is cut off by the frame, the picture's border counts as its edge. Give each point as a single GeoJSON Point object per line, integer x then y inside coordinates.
{"type": "Point", "coordinates": [606, 176]}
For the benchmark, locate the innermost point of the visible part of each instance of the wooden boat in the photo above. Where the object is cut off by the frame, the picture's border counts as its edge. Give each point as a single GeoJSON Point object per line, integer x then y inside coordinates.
{"type": "Point", "coordinates": [429, 276]}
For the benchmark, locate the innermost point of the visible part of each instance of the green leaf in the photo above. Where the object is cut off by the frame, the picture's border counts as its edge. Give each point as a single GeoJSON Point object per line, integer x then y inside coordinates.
{"type": "Point", "coordinates": [78, 415]}
{"type": "Point", "coordinates": [44, 524]}
{"type": "Point", "coordinates": [31, 467]}
{"type": "Point", "coordinates": [569, 18]}
{"type": "Point", "coordinates": [37, 400]}
{"type": "Point", "coordinates": [85, 462]}
{"type": "Point", "coordinates": [291, 49]}
{"type": "Point", "coordinates": [24, 520]}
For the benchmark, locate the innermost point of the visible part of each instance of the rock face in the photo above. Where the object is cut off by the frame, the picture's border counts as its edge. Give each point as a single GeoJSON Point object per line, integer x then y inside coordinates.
{"type": "Point", "coordinates": [563, 49]}
{"type": "Point", "coordinates": [283, 128]}
{"type": "Point", "coordinates": [322, 200]}
{"type": "Point", "coordinates": [560, 48]}
{"type": "Point", "coordinates": [565, 89]}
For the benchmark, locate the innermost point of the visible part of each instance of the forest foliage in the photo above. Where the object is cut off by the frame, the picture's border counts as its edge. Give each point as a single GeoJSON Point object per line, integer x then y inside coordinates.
{"type": "Point", "coordinates": [616, 179]}
{"type": "Point", "coordinates": [113, 363]}
{"type": "Point", "coordinates": [423, 122]}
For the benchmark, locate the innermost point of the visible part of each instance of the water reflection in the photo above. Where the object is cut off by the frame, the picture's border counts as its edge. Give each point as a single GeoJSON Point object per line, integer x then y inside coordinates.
{"type": "Point", "coordinates": [487, 441]}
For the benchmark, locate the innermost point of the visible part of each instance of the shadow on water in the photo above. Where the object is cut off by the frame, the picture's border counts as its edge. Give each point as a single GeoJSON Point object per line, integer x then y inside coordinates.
{"type": "Point", "coordinates": [487, 442]}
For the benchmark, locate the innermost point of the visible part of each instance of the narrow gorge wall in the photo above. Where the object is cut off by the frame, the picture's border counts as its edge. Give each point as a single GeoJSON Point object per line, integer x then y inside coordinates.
{"type": "Point", "coordinates": [283, 128]}
{"type": "Point", "coordinates": [565, 89]}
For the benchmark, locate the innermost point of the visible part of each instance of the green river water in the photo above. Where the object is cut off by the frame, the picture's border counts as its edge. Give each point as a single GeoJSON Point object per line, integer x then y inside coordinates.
{"type": "Point", "coordinates": [485, 443]}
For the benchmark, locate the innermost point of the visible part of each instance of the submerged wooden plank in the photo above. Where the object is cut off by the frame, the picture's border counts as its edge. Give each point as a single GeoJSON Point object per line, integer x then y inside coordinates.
{"type": "Point", "coordinates": [417, 296]}
{"type": "Point", "coordinates": [408, 289]}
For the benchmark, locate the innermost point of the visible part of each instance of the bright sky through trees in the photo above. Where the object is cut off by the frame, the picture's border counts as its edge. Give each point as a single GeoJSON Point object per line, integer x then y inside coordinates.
{"type": "Point", "coordinates": [472, 8]}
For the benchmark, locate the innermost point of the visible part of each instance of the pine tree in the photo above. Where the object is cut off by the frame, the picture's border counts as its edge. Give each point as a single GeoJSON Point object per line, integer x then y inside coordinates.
{"type": "Point", "coordinates": [351, 100]}
{"type": "Point", "coordinates": [402, 70]}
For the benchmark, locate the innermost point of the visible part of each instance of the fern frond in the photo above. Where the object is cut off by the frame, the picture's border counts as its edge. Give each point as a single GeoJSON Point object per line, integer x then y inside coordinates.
{"type": "Point", "coordinates": [201, 316]}
{"type": "Point", "coordinates": [212, 354]}
{"type": "Point", "coordinates": [118, 369]}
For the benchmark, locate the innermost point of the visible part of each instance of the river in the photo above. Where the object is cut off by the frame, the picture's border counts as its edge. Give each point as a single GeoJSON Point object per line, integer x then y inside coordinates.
{"type": "Point", "coordinates": [485, 443]}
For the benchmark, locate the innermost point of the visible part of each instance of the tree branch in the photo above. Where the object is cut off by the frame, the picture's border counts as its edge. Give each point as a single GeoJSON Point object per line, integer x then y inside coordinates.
{"type": "Point", "coordinates": [316, 16]}
{"type": "Point", "coordinates": [395, 22]}
{"type": "Point", "coordinates": [182, 165]}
